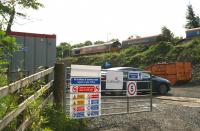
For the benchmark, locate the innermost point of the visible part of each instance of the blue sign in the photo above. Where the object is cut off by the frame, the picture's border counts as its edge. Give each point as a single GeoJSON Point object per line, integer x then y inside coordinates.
{"type": "Point", "coordinates": [79, 114]}
{"type": "Point", "coordinates": [93, 102]}
{"type": "Point", "coordinates": [93, 113]}
{"type": "Point", "coordinates": [93, 107]}
{"type": "Point", "coordinates": [134, 75]}
{"type": "Point", "coordinates": [85, 81]}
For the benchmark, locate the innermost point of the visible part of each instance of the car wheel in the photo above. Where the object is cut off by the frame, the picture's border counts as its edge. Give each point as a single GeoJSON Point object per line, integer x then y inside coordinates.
{"type": "Point", "coordinates": [163, 89]}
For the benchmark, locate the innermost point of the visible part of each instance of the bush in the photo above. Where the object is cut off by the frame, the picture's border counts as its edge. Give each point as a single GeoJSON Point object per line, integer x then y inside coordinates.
{"type": "Point", "coordinates": [58, 121]}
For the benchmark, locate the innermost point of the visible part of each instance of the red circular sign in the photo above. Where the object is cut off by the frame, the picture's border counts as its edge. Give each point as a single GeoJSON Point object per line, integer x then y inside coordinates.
{"type": "Point", "coordinates": [132, 88]}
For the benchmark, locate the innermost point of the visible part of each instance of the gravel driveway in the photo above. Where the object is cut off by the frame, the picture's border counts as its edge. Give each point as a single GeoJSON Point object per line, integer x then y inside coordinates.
{"type": "Point", "coordinates": [164, 117]}
{"type": "Point", "coordinates": [187, 90]}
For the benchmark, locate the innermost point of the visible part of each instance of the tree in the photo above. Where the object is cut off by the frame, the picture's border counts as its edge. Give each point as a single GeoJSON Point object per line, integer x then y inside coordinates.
{"type": "Point", "coordinates": [193, 21]}
{"type": "Point", "coordinates": [63, 50]}
{"type": "Point", "coordinates": [98, 42]}
{"type": "Point", "coordinates": [114, 39]}
{"type": "Point", "coordinates": [9, 10]}
{"type": "Point", "coordinates": [166, 35]}
{"type": "Point", "coordinates": [7, 46]}
{"type": "Point", "coordinates": [87, 43]}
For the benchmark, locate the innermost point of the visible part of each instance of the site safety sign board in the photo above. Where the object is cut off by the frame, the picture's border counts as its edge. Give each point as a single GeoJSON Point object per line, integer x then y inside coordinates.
{"type": "Point", "coordinates": [85, 92]}
{"type": "Point", "coordinates": [131, 88]}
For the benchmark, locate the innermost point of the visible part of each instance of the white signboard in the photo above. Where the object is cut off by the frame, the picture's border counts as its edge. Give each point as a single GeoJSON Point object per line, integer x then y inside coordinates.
{"type": "Point", "coordinates": [131, 88]}
{"type": "Point", "coordinates": [85, 70]}
{"type": "Point", "coordinates": [85, 91]}
{"type": "Point", "coordinates": [114, 80]}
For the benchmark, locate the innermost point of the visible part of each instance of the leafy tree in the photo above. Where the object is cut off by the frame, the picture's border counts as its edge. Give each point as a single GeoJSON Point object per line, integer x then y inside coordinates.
{"type": "Point", "coordinates": [78, 45]}
{"type": "Point", "coordinates": [63, 50]}
{"type": "Point", "coordinates": [193, 21]}
{"type": "Point", "coordinates": [166, 35]}
{"type": "Point", "coordinates": [9, 9]}
{"type": "Point", "coordinates": [87, 43]}
{"type": "Point", "coordinates": [98, 42]}
{"type": "Point", "coordinates": [7, 46]}
{"type": "Point", "coordinates": [114, 39]}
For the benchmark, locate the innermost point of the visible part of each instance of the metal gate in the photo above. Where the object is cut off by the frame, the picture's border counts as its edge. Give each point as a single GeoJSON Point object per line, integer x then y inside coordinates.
{"type": "Point", "coordinates": [116, 101]}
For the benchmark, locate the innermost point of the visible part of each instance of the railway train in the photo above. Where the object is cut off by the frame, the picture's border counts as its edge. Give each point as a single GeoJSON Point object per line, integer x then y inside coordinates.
{"type": "Point", "coordinates": [106, 47]}
{"type": "Point", "coordinates": [116, 45]}
{"type": "Point", "coordinates": [113, 46]}
{"type": "Point", "coordinates": [143, 40]}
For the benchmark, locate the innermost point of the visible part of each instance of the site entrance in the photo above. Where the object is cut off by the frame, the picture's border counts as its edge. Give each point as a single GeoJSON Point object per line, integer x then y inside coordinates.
{"type": "Point", "coordinates": [92, 91]}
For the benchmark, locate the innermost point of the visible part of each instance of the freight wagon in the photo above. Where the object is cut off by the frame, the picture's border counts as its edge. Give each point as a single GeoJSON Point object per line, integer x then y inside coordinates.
{"type": "Point", "coordinates": [106, 47]}
{"type": "Point", "coordinates": [174, 72]}
{"type": "Point", "coordinates": [144, 40]}
{"type": "Point", "coordinates": [35, 50]}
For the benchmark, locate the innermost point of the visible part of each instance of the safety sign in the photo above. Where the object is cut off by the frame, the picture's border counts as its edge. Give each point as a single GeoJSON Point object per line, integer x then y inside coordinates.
{"type": "Point", "coordinates": [85, 81]}
{"type": "Point", "coordinates": [131, 88]}
{"type": "Point", "coordinates": [88, 89]}
{"type": "Point", "coordinates": [85, 91]}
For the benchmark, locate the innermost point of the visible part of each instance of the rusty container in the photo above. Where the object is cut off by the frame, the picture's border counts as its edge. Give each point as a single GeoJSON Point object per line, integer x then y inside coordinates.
{"type": "Point", "coordinates": [174, 72]}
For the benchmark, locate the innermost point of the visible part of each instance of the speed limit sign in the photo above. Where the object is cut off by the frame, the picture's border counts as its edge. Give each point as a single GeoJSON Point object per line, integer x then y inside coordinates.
{"type": "Point", "coordinates": [131, 88]}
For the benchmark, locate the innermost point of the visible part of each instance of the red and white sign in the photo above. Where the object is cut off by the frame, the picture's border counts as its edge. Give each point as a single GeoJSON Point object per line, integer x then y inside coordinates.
{"type": "Point", "coordinates": [93, 96]}
{"type": "Point", "coordinates": [85, 89]}
{"type": "Point", "coordinates": [131, 88]}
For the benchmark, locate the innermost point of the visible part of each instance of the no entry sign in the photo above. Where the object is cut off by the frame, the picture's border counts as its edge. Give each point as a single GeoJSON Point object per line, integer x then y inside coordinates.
{"type": "Point", "coordinates": [131, 88]}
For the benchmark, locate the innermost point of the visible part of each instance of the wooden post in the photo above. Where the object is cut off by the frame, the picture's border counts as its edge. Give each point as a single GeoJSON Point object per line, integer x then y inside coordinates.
{"type": "Point", "coordinates": [58, 87]}
{"type": "Point", "coordinates": [8, 74]}
{"type": "Point", "coordinates": [47, 76]}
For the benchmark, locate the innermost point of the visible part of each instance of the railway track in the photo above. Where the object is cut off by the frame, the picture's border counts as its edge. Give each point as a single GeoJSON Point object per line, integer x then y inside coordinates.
{"type": "Point", "coordinates": [183, 101]}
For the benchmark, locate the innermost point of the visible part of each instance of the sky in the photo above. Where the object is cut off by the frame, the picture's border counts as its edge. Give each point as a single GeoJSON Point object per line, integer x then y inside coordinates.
{"type": "Point", "coordinates": [76, 21]}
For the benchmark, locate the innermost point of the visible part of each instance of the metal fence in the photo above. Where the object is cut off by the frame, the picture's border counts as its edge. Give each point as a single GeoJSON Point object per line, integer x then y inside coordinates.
{"type": "Point", "coordinates": [116, 102]}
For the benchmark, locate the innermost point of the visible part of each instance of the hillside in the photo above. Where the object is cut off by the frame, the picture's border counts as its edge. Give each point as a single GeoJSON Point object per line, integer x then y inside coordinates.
{"type": "Point", "coordinates": [142, 56]}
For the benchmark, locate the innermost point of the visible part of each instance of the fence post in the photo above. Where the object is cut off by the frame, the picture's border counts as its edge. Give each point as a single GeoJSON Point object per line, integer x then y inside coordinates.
{"type": "Point", "coordinates": [58, 87]}
{"type": "Point", "coordinates": [8, 74]}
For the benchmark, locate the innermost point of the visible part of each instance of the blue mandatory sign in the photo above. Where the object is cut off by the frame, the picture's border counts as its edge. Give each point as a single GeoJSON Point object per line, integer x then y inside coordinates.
{"type": "Point", "coordinates": [93, 102]}
{"type": "Point", "coordinates": [86, 81]}
{"type": "Point", "coordinates": [93, 107]}
{"type": "Point", "coordinates": [93, 113]}
{"type": "Point", "coordinates": [79, 114]}
{"type": "Point", "coordinates": [134, 75]}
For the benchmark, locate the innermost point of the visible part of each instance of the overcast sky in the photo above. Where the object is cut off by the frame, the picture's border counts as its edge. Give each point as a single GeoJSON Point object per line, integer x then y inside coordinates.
{"type": "Point", "coordinates": [76, 21]}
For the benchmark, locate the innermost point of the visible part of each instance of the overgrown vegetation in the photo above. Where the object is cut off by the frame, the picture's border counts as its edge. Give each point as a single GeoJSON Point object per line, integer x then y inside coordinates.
{"type": "Point", "coordinates": [58, 121]}
{"type": "Point", "coordinates": [142, 56]}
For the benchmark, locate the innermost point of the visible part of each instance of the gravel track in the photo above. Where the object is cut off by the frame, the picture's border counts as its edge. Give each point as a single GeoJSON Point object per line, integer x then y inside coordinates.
{"type": "Point", "coordinates": [165, 116]}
